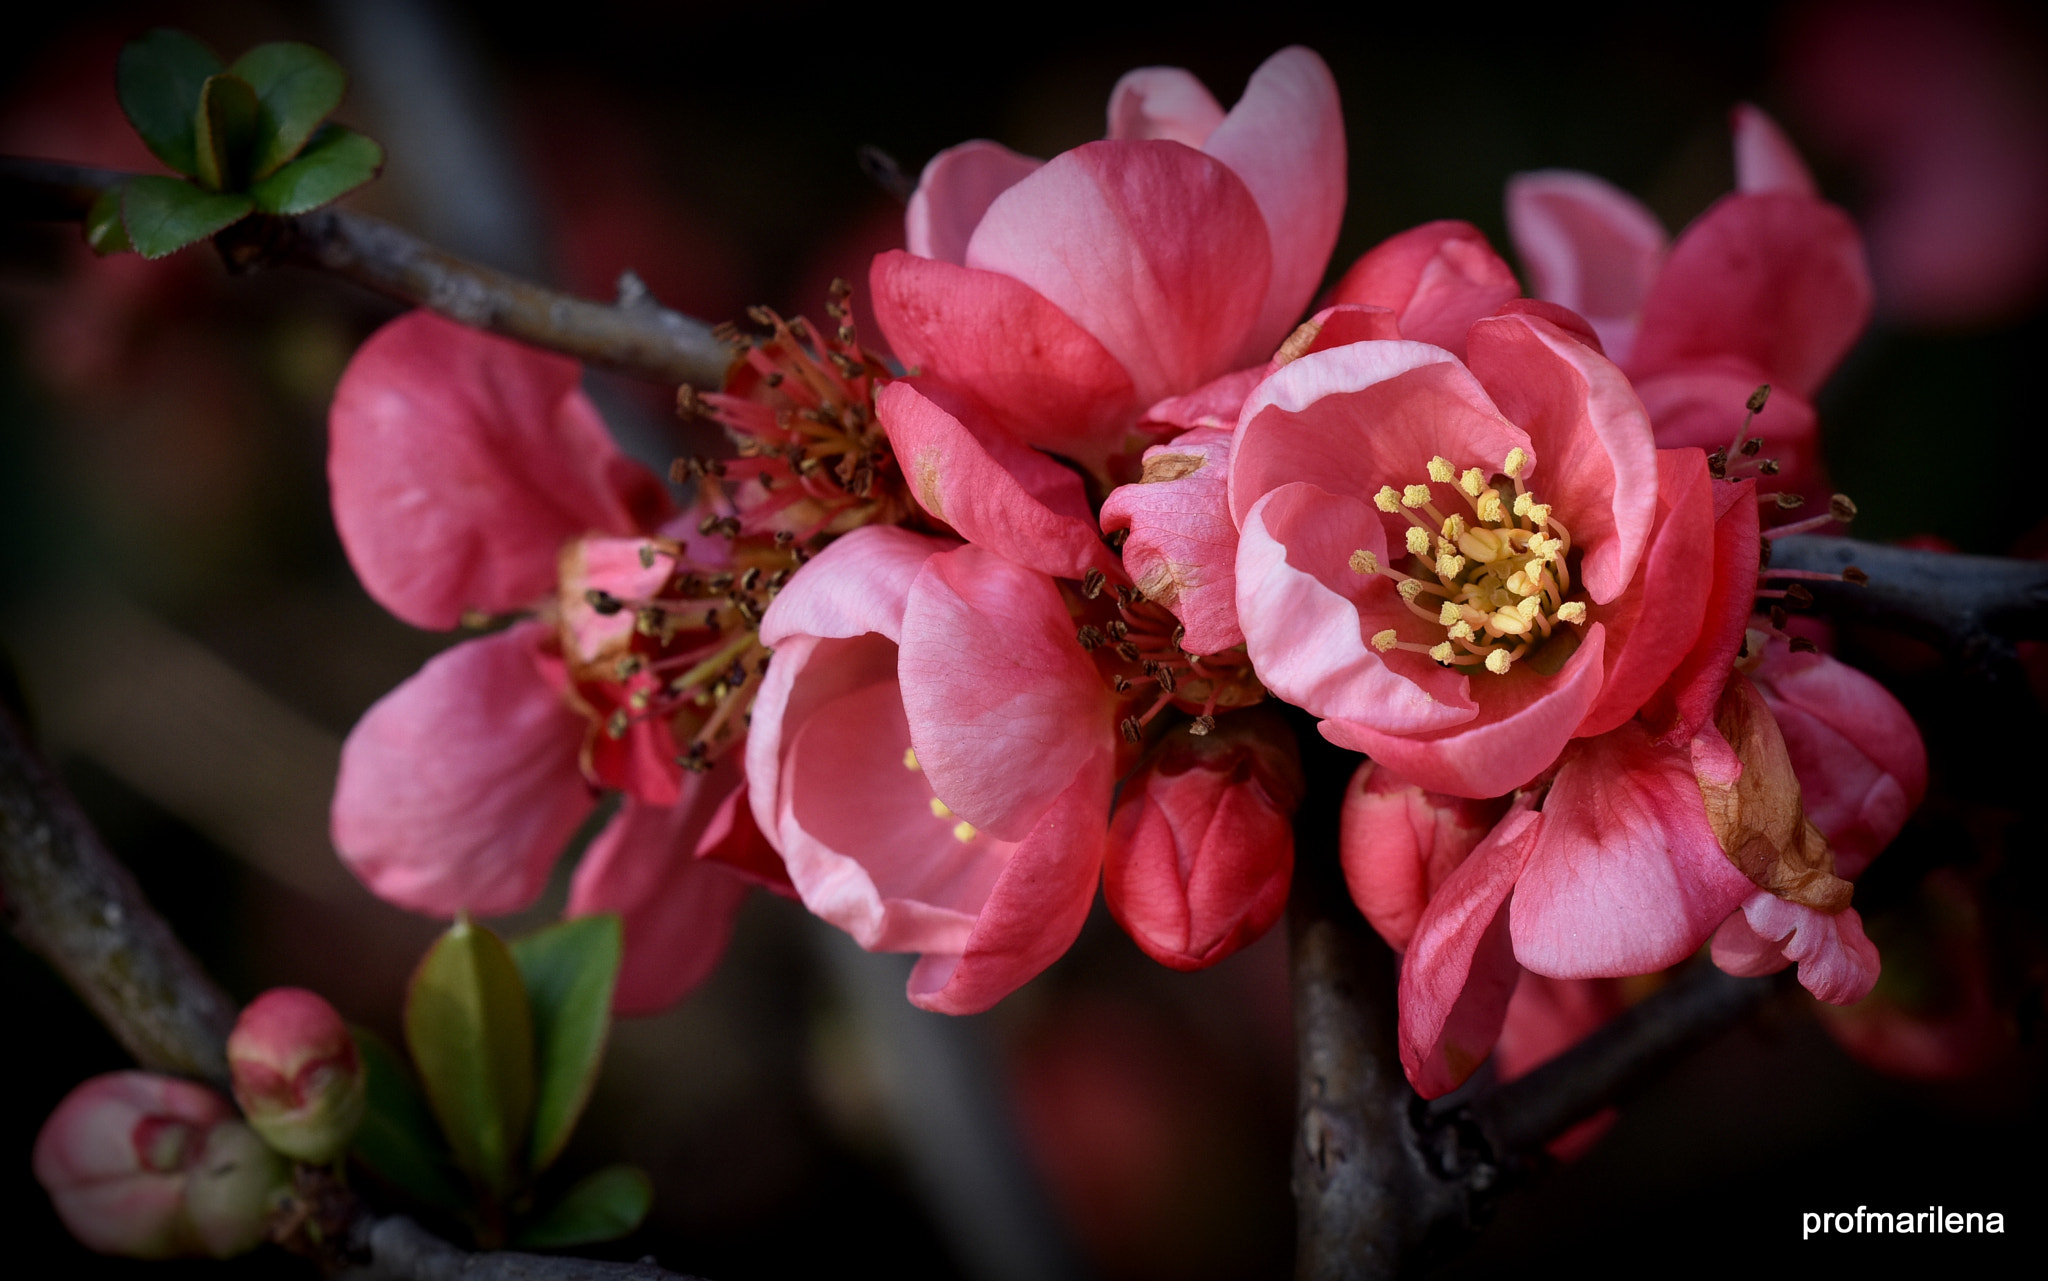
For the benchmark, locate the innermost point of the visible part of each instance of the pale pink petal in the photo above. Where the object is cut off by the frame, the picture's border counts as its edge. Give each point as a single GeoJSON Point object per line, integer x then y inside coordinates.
{"type": "Point", "coordinates": [460, 463]}
{"type": "Point", "coordinates": [1765, 159]}
{"type": "Point", "coordinates": [459, 788]}
{"type": "Point", "coordinates": [953, 193]}
{"type": "Point", "coordinates": [1628, 877]}
{"type": "Point", "coordinates": [615, 567]}
{"type": "Point", "coordinates": [1181, 550]}
{"type": "Point", "coordinates": [1002, 700]}
{"type": "Point", "coordinates": [1588, 245]}
{"type": "Point", "coordinates": [1460, 971]}
{"type": "Point", "coordinates": [1438, 278]}
{"type": "Point", "coordinates": [1595, 459]}
{"type": "Point", "coordinates": [1398, 842]}
{"type": "Point", "coordinates": [1162, 102]}
{"type": "Point", "coordinates": [1741, 951]}
{"type": "Point", "coordinates": [856, 585]}
{"type": "Point", "coordinates": [1285, 139]}
{"type": "Point", "coordinates": [1837, 962]}
{"type": "Point", "coordinates": [994, 491]}
{"type": "Point", "coordinates": [1158, 251]}
{"type": "Point", "coordinates": [1047, 380]}
{"type": "Point", "coordinates": [1687, 699]}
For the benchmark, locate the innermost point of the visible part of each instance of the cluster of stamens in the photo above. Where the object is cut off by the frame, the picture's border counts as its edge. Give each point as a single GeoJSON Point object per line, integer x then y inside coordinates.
{"type": "Point", "coordinates": [963, 831]}
{"type": "Point", "coordinates": [1492, 572]}
{"type": "Point", "coordinates": [1136, 644]}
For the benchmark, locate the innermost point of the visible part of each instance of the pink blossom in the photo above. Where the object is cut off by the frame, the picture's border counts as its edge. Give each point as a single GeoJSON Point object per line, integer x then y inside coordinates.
{"type": "Point", "coordinates": [472, 478]}
{"type": "Point", "coordinates": [297, 1075]}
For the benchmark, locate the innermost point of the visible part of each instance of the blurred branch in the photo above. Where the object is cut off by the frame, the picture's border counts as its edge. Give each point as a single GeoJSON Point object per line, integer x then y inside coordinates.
{"type": "Point", "coordinates": [636, 336]}
{"type": "Point", "coordinates": [69, 901]}
{"type": "Point", "coordinates": [400, 1250]}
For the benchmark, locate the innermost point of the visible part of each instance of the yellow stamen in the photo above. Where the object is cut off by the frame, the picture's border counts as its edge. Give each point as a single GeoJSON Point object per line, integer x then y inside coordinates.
{"type": "Point", "coordinates": [1415, 496]}
{"type": "Point", "coordinates": [1364, 562]}
{"type": "Point", "coordinates": [1454, 527]}
{"type": "Point", "coordinates": [910, 760]}
{"type": "Point", "coordinates": [1472, 482]}
{"type": "Point", "coordinates": [1498, 662]}
{"type": "Point", "coordinates": [963, 832]}
{"type": "Point", "coordinates": [1386, 640]}
{"type": "Point", "coordinates": [1387, 500]}
{"type": "Point", "coordinates": [1572, 611]}
{"type": "Point", "coordinates": [1449, 565]}
{"type": "Point", "coordinates": [1418, 541]}
{"type": "Point", "coordinates": [939, 809]}
{"type": "Point", "coordinates": [1516, 461]}
{"type": "Point", "coordinates": [1449, 614]}
{"type": "Point", "coordinates": [1522, 504]}
{"type": "Point", "coordinates": [1442, 653]}
{"type": "Point", "coordinates": [1440, 470]}
{"type": "Point", "coordinates": [1461, 631]}
{"type": "Point", "coordinates": [1539, 513]}
{"type": "Point", "coordinates": [1489, 506]}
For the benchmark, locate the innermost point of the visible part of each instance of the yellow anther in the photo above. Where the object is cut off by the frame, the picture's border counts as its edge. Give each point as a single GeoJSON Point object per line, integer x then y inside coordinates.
{"type": "Point", "coordinates": [1440, 470]}
{"type": "Point", "coordinates": [939, 809]}
{"type": "Point", "coordinates": [1498, 662]}
{"type": "Point", "coordinates": [1572, 611]}
{"type": "Point", "coordinates": [1449, 565]}
{"type": "Point", "coordinates": [1386, 640]}
{"type": "Point", "coordinates": [910, 760]}
{"type": "Point", "coordinates": [1473, 481]}
{"type": "Point", "coordinates": [1364, 562]}
{"type": "Point", "coordinates": [1410, 588]}
{"type": "Point", "coordinates": [1418, 541]}
{"type": "Point", "coordinates": [1523, 502]}
{"type": "Point", "coordinates": [1530, 607]}
{"type": "Point", "coordinates": [1521, 584]}
{"type": "Point", "coordinates": [1415, 496]}
{"type": "Point", "coordinates": [1454, 527]}
{"type": "Point", "coordinates": [1461, 630]}
{"type": "Point", "coordinates": [1483, 545]}
{"type": "Point", "coordinates": [1489, 507]}
{"type": "Point", "coordinates": [1516, 461]}
{"type": "Point", "coordinates": [1540, 513]}
{"type": "Point", "coordinates": [1450, 613]}
{"type": "Point", "coordinates": [1442, 653]}
{"type": "Point", "coordinates": [1387, 500]}
{"type": "Point", "coordinates": [963, 832]}
{"type": "Point", "coordinates": [1509, 622]}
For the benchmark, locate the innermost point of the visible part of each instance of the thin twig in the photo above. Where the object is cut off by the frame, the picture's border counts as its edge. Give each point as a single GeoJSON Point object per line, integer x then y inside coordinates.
{"type": "Point", "coordinates": [636, 336]}
{"type": "Point", "coordinates": [397, 1249]}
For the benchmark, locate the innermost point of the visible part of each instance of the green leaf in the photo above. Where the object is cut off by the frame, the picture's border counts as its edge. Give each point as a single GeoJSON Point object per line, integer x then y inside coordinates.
{"type": "Point", "coordinates": [163, 215]}
{"type": "Point", "coordinates": [159, 78]}
{"type": "Point", "coordinates": [103, 229]}
{"type": "Point", "coordinates": [603, 1207]}
{"type": "Point", "coordinates": [398, 1138]}
{"type": "Point", "coordinates": [336, 162]}
{"type": "Point", "coordinates": [224, 132]}
{"type": "Point", "coordinates": [471, 1034]}
{"type": "Point", "coordinates": [298, 87]}
{"type": "Point", "coordinates": [570, 970]}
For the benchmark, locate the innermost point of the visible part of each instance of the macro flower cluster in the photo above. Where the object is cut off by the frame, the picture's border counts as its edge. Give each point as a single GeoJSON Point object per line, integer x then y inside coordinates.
{"type": "Point", "coordinates": [1033, 596]}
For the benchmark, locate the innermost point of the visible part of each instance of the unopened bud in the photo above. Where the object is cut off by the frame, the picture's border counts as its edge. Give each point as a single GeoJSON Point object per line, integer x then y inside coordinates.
{"type": "Point", "coordinates": [297, 1075]}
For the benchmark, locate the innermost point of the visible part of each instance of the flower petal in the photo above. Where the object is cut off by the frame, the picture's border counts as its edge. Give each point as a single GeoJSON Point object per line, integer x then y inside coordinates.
{"type": "Point", "coordinates": [1438, 278]}
{"type": "Point", "coordinates": [1704, 406]}
{"type": "Point", "coordinates": [1837, 962]}
{"type": "Point", "coordinates": [1686, 702]}
{"type": "Point", "coordinates": [953, 193]}
{"type": "Point", "coordinates": [1588, 245]}
{"type": "Point", "coordinates": [1765, 159]}
{"type": "Point", "coordinates": [858, 584]}
{"type": "Point", "coordinates": [1398, 843]}
{"type": "Point", "coordinates": [1181, 550]}
{"type": "Point", "coordinates": [1162, 102]}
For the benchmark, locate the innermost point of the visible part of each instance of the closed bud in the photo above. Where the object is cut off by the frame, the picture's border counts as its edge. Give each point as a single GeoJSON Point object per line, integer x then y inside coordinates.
{"type": "Point", "coordinates": [1398, 842]}
{"type": "Point", "coordinates": [296, 1074]}
{"type": "Point", "coordinates": [152, 1167]}
{"type": "Point", "coordinates": [1202, 846]}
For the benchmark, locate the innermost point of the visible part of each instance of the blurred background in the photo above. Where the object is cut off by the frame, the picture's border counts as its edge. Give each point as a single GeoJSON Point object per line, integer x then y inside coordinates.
{"type": "Point", "coordinates": [187, 637]}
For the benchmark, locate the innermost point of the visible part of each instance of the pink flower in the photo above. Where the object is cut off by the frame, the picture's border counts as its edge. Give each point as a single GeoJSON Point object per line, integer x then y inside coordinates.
{"type": "Point", "coordinates": [1066, 296]}
{"type": "Point", "coordinates": [297, 1075]}
{"type": "Point", "coordinates": [472, 478]}
{"type": "Point", "coordinates": [1768, 286]}
{"type": "Point", "coordinates": [153, 1167]}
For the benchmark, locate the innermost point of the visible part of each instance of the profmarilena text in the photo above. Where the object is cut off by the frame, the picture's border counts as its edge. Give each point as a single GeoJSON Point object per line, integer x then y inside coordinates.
{"type": "Point", "coordinates": [1933, 1219]}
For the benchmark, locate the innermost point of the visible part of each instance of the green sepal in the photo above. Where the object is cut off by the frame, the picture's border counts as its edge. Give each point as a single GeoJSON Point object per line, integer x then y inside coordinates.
{"type": "Point", "coordinates": [399, 1139]}
{"type": "Point", "coordinates": [570, 970]}
{"type": "Point", "coordinates": [470, 1031]}
{"type": "Point", "coordinates": [297, 86]}
{"type": "Point", "coordinates": [603, 1207]}
{"type": "Point", "coordinates": [336, 162]}
{"type": "Point", "coordinates": [103, 229]}
{"type": "Point", "coordinates": [159, 77]}
{"type": "Point", "coordinates": [163, 215]}
{"type": "Point", "coordinates": [224, 132]}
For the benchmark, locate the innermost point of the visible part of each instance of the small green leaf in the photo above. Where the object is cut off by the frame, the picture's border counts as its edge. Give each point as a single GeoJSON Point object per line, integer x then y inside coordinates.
{"type": "Point", "coordinates": [336, 162]}
{"type": "Point", "coordinates": [298, 87]}
{"type": "Point", "coordinates": [159, 78]}
{"type": "Point", "coordinates": [224, 132]}
{"type": "Point", "coordinates": [163, 215]}
{"type": "Point", "coordinates": [103, 229]}
{"type": "Point", "coordinates": [471, 1034]}
{"type": "Point", "coordinates": [603, 1207]}
{"type": "Point", "coordinates": [398, 1138]}
{"type": "Point", "coordinates": [570, 970]}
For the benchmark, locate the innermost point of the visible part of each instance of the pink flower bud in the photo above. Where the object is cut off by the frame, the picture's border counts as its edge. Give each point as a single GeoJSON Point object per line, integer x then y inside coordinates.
{"type": "Point", "coordinates": [125, 1156]}
{"type": "Point", "coordinates": [1398, 842]}
{"type": "Point", "coordinates": [1201, 847]}
{"type": "Point", "coordinates": [296, 1074]}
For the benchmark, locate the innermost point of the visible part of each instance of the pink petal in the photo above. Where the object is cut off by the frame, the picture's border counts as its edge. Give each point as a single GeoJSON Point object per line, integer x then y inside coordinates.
{"type": "Point", "coordinates": [1350, 322]}
{"type": "Point", "coordinates": [1588, 245]}
{"type": "Point", "coordinates": [1704, 406]}
{"type": "Point", "coordinates": [1438, 278]}
{"type": "Point", "coordinates": [1675, 712]}
{"type": "Point", "coordinates": [678, 911]}
{"type": "Point", "coordinates": [1398, 843]}
{"type": "Point", "coordinates": [1837, 962]}
{"type": "Point", "coordinates": [613, 566]}
{"type": "Point", "coordinates": [1162, 102]}
{"type": "Point", "coordinates": [1182, 547]}
{"type": "Point", "coordinates": [858, 584]}
{"type": "Point", "coordinates": [1285, 139]}
{"type": "Point", "coordinates": [953, 193]}
{"type": "Point", "coordinates": [460, 463]}
{"type": "Point", "coordinates": [734, 840]}
{"type": "Point", "coordinates": [1158, 251]}
{"type": "Point", "coordinates": [1048, 381]}
{"type": "Point", "coordinates": [1765, 159]}
{"type": "Point", "coordinates": [459, 788]}
{"type": "Point", "coordinates": [1213, 404]}
{"type": "Point", "coordinates": [1595, 459]}
{"type": "Point", "coordinates": [1627, 877]}
{"type": "Point", "coordinates": [1460, 970]}
{"type": "Point", "coordinates": [994, 491]}
{"type": "Point", "coordinates": [1774, 279]}
{"type": "Point", "coordinates": [1741, 951]}
{"type": "Point", "coordinates": [1004, 704]}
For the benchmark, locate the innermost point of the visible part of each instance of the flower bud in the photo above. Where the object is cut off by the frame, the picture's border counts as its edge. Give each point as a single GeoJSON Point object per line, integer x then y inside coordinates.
{"type": "Point", "coordinates": [1201, 847]}
{"type": "Point", "coordinates": [125, 1155]}
{"type": "Point", "coordinates": [1398, 842]}
{"type": "Point", "coordinates": [297, 1075]}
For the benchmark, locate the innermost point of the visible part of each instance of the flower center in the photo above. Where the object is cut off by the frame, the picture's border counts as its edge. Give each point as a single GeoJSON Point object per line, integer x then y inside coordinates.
{"type": "Point", "coordinates": [1492, 574]}
{"type": "Point", "coordinates": [1136, 645]}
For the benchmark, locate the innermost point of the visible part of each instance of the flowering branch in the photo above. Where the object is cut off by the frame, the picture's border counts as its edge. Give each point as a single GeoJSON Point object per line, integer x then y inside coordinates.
{"type": "Point", "coordinates": [636, 335]}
